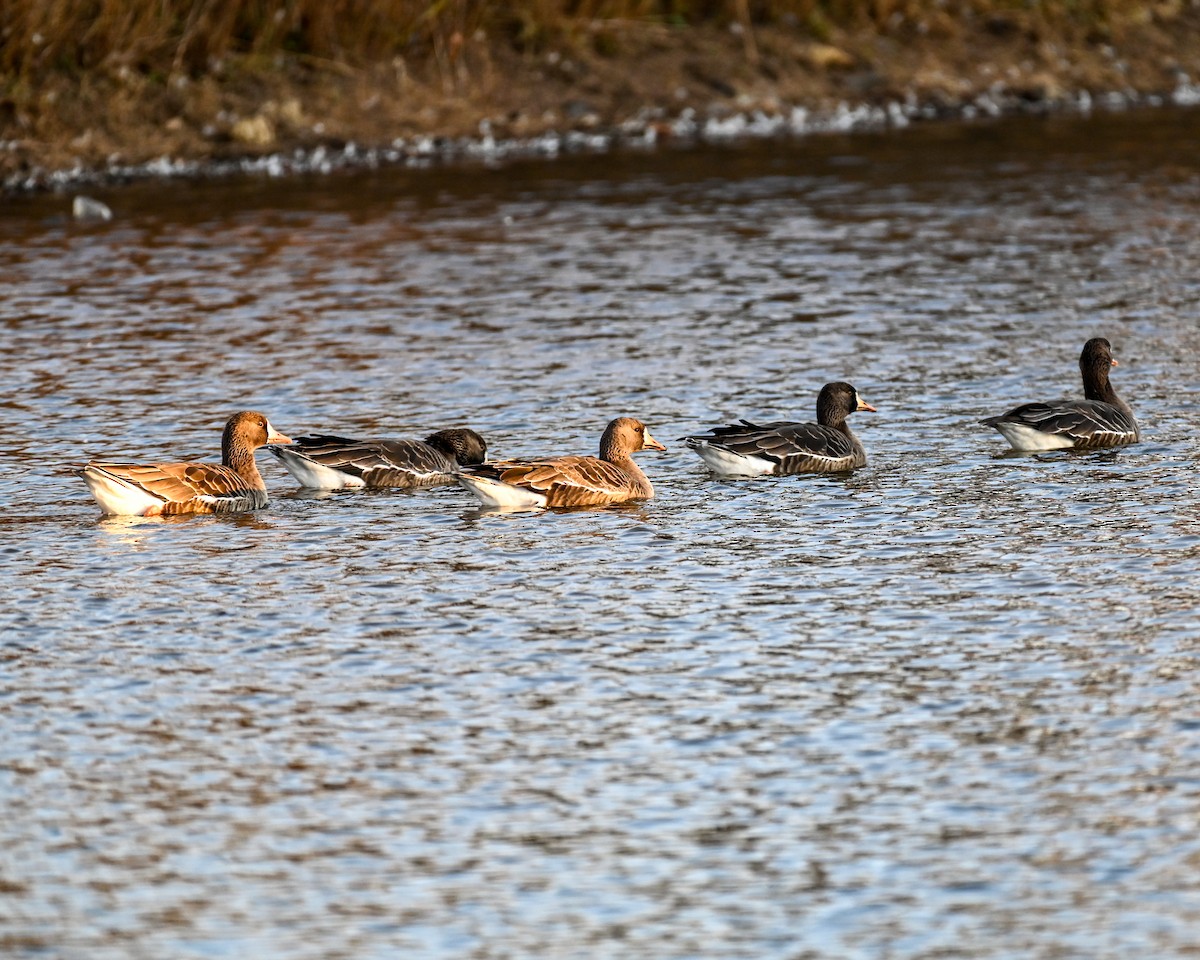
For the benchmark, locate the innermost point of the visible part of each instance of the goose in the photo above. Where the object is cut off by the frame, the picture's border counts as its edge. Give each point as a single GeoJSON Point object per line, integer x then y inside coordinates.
{"type": "Point", "coordinates": [331, 463]}
{"type": "Point", "coordinates": [575, 481]}
{"type": "Point", "coordinates": [148, 490]}
{"type": "Point", "coordinates": [1101, 420]}
{"type": "Point", "coordinates": [748, 449]}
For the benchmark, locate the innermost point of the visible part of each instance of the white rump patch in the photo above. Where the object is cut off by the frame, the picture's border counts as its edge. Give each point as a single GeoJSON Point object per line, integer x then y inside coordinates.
{"type": "Point", "coordinates": [1023, 437]}
{"type": "Point", "coordinates": [116, 497]}
{"type": "Point", "coordinates": [729, 464]}
{"type": "Point", "coordinates": [504, 496]}
{"type": "Point", "coordinates": [315, 476]}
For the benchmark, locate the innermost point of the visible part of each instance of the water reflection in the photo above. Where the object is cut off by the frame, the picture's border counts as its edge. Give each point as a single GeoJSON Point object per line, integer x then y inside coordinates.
{"type": "Point", "coordinates": [898, 711]}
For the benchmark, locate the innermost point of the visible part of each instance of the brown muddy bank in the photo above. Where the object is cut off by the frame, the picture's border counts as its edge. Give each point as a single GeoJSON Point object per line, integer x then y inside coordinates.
{"type": "Point", "coordinates": [614, 79]}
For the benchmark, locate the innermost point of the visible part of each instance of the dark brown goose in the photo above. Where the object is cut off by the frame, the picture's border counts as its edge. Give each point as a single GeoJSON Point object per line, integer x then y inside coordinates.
{"type": "Point", "coordinates": [750, 449]}
{"type": "Point", "coordinates": [146, 490]}
{"type": "Point", "coordinates": [1101, 420]}
{"type": "Point", "coordinates": [569, 481]}
{"type": "Point", "coordinates": [331, 463]}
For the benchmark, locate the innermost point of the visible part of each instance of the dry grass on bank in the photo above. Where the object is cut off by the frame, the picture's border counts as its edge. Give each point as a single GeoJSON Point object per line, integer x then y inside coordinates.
{"type": "Point", "coordinates": [163, 38]}
{"type": "Point", "coordinates": [95, 84]}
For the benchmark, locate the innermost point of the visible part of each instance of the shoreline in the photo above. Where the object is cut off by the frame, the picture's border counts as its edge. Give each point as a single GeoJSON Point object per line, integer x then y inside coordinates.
{"type": "Point", "coordinates": [684, 130]}
{"type": "Point", "coordinates": [659, 87]}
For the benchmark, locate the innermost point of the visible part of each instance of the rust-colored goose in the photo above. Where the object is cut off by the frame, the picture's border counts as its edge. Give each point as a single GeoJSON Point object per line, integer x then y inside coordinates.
{"type": "Point", "coordinates": [147, 490]}
{"type": "Point", "coordinates": [576, 481]}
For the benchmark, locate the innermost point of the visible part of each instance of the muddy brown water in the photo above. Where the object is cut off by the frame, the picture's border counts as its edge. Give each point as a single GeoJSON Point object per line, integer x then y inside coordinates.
{"type": "Point", "coordinates": [947, 706]}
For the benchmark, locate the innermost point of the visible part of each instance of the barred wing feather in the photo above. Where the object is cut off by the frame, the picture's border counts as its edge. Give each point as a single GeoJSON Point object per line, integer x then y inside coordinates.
{"type": "Point", "coordinates": [334, 462]}
{"type": "Point", "coordinates": [1083, 424]}
{"type": "Point", "coordinates": [791, 447]}
{"type": "Point", "coordinates": [186, 487]}
{"type": "Point", "coordinates": [566, 481]}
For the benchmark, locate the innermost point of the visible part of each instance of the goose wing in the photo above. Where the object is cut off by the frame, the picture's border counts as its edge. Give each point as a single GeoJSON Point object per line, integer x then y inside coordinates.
{"type": "Point", "coordinates": [1085, 423]}
{"type": "Point", "coordinates": [779, 441]}
{"type": "Point", "coordinates": [378, 463]}
{"type": "Point", "coordinates": [217, 487]}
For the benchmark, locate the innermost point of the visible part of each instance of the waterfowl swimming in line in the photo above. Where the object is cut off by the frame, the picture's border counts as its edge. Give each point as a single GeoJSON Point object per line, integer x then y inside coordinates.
{"type": "Point", "coordinates": [127, 489]}
{"type": "Point", "coordinates": [750, 449]}
{"type": "Point", "coordinates": [573, 481]}
{"type": "Point", "coordinates": [1101, 420]}
{"type": "Point", "coordinates": [331, 463]}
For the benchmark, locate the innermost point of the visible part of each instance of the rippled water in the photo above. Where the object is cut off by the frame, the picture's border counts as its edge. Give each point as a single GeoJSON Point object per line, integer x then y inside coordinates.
{"type": "Point", "coordinates": [944, 707]}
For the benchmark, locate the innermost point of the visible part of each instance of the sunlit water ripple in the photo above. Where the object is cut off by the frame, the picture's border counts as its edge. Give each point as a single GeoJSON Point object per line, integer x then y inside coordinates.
{"type": "Point", "coordinates": [943, 707]}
